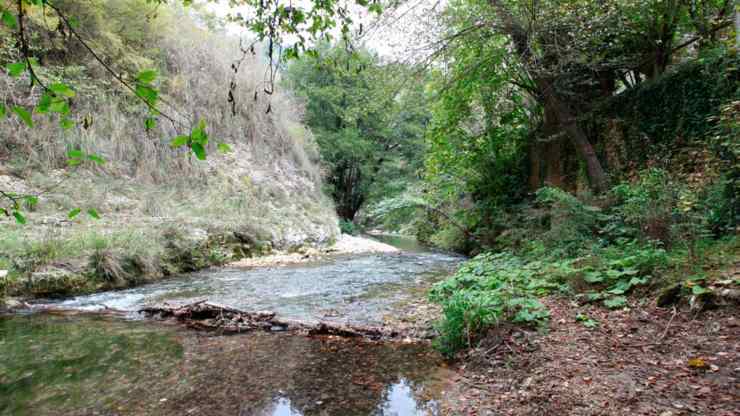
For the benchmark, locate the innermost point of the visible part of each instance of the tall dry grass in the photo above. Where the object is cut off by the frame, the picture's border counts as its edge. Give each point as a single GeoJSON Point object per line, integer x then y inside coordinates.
{"type": "Point", "coordinates": [271, 180]}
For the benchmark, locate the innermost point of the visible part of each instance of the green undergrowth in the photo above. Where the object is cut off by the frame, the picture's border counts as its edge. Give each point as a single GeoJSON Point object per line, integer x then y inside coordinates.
{"type": "Point", "coordinates": [645, 237]}
{"type": "Point", "coordinates": [493, 288]}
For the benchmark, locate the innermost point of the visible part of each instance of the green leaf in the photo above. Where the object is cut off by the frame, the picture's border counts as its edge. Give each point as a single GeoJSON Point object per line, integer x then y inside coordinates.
{"type": "Point", "coordinates": [698, 290]}
{"type": "Point", "coordinates": [615, 302]}
{"type": "Point", "coordinates": [16, 69]}
{"type": "Point", "coordinates": [9, 20]}
{"type": "Point", "coordinates": [66, 123]}
{"type": "Point", "coordinates": [97, 159]}
{"type": "Point", "coordinates": [93, 213]}
{"type": "Point", "coordinates": [150, 123]}
{"type": "Point", "coordinates": [31, 201]}
{"type": "Point", "coordinates": [199, 133]}
{"type": "Point", "coordinates": [60, 106]}
{"type": "Point", "coordinates": [224, 148]}
{"type": "Point", "coordinates": [199, 150]}
{"type": "Point", "coordinates": [75, 154]}
{"type": "Point", "coordinates": [72, 214]}
{"type": "Point", "coordinates": [375, 8]}
{"type": "Point", "coordinates": [19, 218]}
{"type": "Point", "coordinates": [147, 76]}
{"type": "Point", "coordinates": [62, 89]}
{"type": "Point", "coordinates": [74, 22]}
{"type": "Point", "coordinates": [3, 111]}
{"type": "Point", "coordinates": [593, 277]}
{"type": "Point", "coordinates": [44, 103]}
{"type": "Point", "coordinates": [179, 141]}
{"type": "Point", "coordinates": [24, 115]}
{"type": "Point", "coordinates": [148, 94]}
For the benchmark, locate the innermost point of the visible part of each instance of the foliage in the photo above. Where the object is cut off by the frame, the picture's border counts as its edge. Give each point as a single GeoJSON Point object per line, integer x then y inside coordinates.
{"type": "Point", "coordinates": [612, 272]}
{"type": "Point", "coordinates": [571, 222]}
{"type": "Point", "coordinates": [679, 106]}
{"type": "Point", "coordinates": [368, 129]}
{"type": "Point", "coordinates": [486, 290]}
{"type": "Point", "coordinates": [348, 227]}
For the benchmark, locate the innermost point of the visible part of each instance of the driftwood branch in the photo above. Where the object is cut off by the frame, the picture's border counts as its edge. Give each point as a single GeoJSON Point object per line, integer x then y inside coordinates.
{"type": "Point", "coordinates": [207, 316]}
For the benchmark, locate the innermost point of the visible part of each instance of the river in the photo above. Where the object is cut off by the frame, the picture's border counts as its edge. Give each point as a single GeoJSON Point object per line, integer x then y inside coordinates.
{"type": "Point", "coordinates": [89, 363]}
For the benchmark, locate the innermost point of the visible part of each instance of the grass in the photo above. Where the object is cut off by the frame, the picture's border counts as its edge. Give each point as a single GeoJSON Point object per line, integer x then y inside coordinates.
{"type": "Point", "coordinates": [270, 181]}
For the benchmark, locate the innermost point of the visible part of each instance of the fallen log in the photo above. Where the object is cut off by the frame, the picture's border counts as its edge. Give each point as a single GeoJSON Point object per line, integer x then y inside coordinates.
{"type": "Point", "coordinates": [203, 315]}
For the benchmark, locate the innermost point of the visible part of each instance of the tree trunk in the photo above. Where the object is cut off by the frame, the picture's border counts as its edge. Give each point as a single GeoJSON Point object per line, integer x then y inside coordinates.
{"type": "Point", "coordinates": [568, 122]}
{"type": "Point", "coordinates": [547, 96]}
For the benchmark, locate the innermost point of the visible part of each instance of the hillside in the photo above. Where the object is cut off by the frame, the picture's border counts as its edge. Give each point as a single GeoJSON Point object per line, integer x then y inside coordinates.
{"type": "Point", "coordinates": [159, 210]}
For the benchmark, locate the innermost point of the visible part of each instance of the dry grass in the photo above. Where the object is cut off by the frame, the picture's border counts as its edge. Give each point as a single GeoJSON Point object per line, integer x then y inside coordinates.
{"type": "Point", "coordinates": [270, 180]}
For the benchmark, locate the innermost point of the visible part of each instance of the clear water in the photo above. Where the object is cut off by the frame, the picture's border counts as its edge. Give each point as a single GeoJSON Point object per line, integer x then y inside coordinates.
{"type": "Point", "coordinates": [77, 363]}
{"type": "Point", "coordinates": [360, 289]}
{"type": "Point", "coordinates": [93, 365]}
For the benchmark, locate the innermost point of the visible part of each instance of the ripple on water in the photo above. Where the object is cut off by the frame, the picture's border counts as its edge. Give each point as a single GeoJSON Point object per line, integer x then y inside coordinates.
{"type": "Point", "coordinates": [360, 289]}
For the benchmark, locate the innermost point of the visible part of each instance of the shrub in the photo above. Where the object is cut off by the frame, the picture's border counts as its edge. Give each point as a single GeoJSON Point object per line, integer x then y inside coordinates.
{"type": "Point", "coordinates": [572, 223]}
{"type": "Point", "coordinates": [649, 204]}
{"type": "Point", "coordinates": [618, 269]}
{"type": "Point", "coordinates": [485, 291]}
{"type": "Point", "coordinates": [107, 266]}
{"type": "Point", "coordinates": [348, 227]}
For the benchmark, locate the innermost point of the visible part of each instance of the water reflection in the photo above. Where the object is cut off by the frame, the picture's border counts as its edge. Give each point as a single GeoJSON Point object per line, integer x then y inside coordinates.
{"type": "Point", "coordinates": [84, 365]}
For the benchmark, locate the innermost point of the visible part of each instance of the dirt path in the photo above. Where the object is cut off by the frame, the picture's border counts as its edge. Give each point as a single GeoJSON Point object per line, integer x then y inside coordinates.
{"type": "Point", "coordinates": [646, 361]}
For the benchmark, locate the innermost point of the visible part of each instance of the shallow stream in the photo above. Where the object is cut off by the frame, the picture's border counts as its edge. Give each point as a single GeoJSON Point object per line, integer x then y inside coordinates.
{"type": "Point", "coordinates": [92, 364]}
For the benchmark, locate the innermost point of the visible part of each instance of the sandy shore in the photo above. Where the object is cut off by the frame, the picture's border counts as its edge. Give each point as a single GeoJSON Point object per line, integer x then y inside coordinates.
{"type": "Point", "coordinates": [346, 244]}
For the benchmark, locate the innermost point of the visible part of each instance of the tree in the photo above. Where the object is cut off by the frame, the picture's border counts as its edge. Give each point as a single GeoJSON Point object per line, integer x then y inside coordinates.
{"type": "Point", "coordinates": [364, 124]}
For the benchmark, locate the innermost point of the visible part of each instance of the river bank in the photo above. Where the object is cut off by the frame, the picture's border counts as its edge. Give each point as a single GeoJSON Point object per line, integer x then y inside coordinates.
{"type": "Point", "coordinates": [189, 253]}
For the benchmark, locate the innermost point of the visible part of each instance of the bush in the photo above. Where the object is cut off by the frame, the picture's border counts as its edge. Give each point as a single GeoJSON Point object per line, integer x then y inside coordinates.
{"type": "Point", "coordinates": [571, 222]}
{"type": "Point", "coordinates": [485, 291]}
{"type": "Point", "coordinates": [612, 272]}
{"type": "Point", "coordinates": [649, 204]}
{"type": "Point", "coordinates": [348, 227]}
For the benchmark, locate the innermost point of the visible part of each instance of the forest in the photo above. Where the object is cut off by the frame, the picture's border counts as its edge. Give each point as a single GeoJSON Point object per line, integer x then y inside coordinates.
{"type": "Point", "coordinates": [568, 172]}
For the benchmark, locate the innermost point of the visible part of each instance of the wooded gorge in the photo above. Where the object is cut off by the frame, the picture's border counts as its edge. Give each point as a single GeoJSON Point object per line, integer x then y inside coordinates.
{"type": "Point", "coordinates": [583, 155]}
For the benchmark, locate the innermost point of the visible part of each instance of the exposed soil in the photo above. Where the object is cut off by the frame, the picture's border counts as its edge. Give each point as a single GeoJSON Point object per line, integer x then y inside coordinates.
{"type": "Point", "coordinates": [643, 361]}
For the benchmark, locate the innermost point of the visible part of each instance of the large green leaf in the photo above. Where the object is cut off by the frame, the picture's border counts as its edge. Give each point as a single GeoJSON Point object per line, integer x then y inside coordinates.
{"type": "Point", "coordinates": [62, 89]}
{"type": "Point", "coordinates": [24, 115]}
{"type": "Point", "coordinates": [199, 150]}
{"type": "Point", "coordinates": [9, 20]}
{"type": "Point", "coordinates": [16, 69]}
{"type": "Point", "coordinates": [147, 76]}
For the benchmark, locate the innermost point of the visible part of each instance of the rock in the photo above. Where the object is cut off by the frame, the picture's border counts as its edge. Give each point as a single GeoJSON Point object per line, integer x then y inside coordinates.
{"type": "Point", "coordinates": [669, 296]}
{"type": "Point", "coordinates": [12, 303]}
{"type": "Point", "coordinates": [54, 281]}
